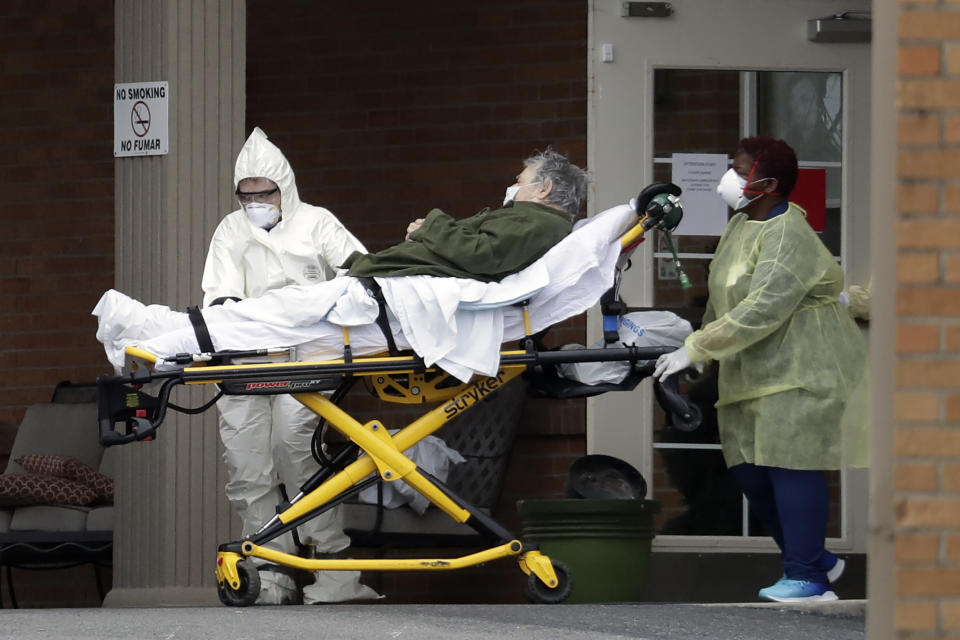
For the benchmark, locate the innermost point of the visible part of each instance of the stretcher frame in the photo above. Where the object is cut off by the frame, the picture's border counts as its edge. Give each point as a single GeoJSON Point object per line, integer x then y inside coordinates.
{"type": "Point", "coordinates": [139, 400]}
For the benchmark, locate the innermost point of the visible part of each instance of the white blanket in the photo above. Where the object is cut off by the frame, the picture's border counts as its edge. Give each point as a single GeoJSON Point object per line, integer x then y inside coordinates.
{"type": "Point", "coordinates": [453, 323]}
{"type": "Point", "coordinates": [432, 455]}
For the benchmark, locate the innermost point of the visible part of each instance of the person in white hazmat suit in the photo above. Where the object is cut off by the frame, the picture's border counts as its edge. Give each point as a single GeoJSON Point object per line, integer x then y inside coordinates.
{"type": "Point", "coordinates": [272, 241]}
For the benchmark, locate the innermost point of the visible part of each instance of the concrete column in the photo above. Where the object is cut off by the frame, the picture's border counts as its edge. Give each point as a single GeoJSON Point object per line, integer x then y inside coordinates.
{"type": "Point", "coordinates": [881, 574]}
{"type": "Point", "coordinates": [170, 507]}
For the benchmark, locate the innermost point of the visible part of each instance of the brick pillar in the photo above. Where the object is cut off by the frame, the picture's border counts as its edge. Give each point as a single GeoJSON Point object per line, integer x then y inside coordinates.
{"type": "Point", "coordinates": [926, 483]}
{"type": "Point", "coordinates": [170, 505]}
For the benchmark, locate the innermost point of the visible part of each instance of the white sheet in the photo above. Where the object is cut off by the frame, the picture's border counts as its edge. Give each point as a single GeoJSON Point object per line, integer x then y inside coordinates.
{"type": "Point", "coordinates": [455, 323]}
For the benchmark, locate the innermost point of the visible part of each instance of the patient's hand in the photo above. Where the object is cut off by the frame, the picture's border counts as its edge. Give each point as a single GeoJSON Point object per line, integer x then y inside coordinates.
{"type": "Point", "coordinates": [413, 226]}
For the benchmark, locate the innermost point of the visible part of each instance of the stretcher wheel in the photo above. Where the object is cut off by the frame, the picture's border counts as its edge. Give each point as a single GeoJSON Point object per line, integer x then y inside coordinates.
{"type": "Point", "coordinates": [249, 589]}
{"type": "Point", "coordinates": [539, 593]}
{"type": "Point", "coordinates": [688, 424]}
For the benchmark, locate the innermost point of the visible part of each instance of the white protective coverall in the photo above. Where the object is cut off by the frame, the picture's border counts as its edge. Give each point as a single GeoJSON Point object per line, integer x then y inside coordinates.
{"type": "Point", "coordinates": [267, 438]}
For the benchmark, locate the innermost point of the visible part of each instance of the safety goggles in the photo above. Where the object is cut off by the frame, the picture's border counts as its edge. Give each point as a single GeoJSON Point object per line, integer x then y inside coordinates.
{"type": "Point", "coordinates": [246, 197]}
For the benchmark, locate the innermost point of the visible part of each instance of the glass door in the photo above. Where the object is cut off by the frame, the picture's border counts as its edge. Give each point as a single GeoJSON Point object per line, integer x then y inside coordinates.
{"type": "Point", "coordinates": [703, 113]}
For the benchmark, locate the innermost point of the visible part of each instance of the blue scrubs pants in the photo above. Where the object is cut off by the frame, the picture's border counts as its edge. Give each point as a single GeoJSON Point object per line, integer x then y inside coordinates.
{"type": "Point", "coordinates": [793, 505]}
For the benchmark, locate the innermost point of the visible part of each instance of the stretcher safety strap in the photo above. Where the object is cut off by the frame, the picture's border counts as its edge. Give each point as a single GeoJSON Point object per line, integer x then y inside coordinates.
{"type": "Point", "coordinates": [375, 292]}
{"type": "Point", "coordinates": [200, 329]}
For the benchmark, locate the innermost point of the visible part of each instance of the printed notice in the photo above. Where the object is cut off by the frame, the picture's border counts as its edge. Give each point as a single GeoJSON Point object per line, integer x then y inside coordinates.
{"type": "Point", "coordinates": [698, 174]}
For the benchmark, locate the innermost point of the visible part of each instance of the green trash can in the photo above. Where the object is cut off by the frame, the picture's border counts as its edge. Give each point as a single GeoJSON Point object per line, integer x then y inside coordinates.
{"type": "Point", "coordinates": [605, 544]}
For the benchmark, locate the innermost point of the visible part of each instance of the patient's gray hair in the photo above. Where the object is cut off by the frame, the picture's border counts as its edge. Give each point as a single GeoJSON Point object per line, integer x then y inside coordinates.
{"type": "Point", "coordinates": [569, 181]}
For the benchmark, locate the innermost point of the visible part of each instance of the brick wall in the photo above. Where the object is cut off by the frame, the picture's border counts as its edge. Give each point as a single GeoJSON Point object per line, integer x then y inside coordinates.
{"type": "Point", "coordinates": [927, 400]}
{"type": "Point", "coordinates": [56, 173]}
{"type": "Point", "coordinates": [56, 252]}
{"type": "Point", "coordinates": [386, 110]}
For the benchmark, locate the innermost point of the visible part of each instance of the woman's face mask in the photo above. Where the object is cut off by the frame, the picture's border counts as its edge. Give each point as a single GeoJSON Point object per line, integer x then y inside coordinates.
{"type": "Point", "coordinates": [731, 190]}
{"type": "Point", "coordinates": [262, 214]}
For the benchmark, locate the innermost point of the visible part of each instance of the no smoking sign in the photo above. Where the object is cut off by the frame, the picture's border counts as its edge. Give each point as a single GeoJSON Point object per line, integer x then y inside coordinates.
{"type": "Point", "coordinates": [140, 119]}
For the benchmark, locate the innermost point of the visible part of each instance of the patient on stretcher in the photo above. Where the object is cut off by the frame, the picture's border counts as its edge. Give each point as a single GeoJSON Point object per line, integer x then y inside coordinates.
{"type": "Point", "coordinates": [452, 257]}
{"type": "Point", "coordinates": [454, 323]}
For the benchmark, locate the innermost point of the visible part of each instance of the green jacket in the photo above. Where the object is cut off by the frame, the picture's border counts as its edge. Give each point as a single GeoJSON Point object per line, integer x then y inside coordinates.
{"type": "Point", "coordinates": [488, 246]}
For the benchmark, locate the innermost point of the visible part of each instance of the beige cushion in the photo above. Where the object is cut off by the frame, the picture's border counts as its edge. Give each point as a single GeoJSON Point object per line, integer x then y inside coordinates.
{"type": "Point", "coordinates": [100, 519]}
{"type": "Point", "coordinates": [108, 464]}
{"type": "Point", "coordinates": [47, 518]}
{"type": "Point", "coordinates": [67, 429]}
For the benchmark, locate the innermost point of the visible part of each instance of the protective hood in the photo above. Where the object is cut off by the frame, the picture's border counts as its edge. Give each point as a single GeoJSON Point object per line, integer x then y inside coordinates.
{"type": "Point", "coordinates": [260, 158]}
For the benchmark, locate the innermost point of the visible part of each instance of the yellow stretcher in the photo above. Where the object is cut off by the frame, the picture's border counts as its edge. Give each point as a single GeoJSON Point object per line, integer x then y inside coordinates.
{"type": "Point", "coordinates": [125, 402]}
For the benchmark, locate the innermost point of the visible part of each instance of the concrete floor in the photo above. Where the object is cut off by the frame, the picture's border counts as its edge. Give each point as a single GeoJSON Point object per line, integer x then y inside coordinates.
{"type": "Point", "coordinates": [842, 620]}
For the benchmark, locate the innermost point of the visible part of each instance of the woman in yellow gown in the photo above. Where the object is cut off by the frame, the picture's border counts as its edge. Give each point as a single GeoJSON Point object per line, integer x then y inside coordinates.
{"type": "Point", "coordinates": [793, 379]}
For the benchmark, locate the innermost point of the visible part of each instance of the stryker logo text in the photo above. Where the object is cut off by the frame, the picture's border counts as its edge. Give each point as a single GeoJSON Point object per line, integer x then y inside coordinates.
{"type": "Point", "coordinates": [472, 396]}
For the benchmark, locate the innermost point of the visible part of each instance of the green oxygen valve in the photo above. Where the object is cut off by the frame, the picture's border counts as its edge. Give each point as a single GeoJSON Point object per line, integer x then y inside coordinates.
{"type": "Point", "coordinates": [681, 274]}
{"type": "Point", "coordinates": [670, 214]}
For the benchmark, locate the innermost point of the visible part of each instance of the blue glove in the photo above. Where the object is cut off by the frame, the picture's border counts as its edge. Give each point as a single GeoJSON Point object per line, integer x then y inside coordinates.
{"type": "Point", "coordinates": [670, 363]}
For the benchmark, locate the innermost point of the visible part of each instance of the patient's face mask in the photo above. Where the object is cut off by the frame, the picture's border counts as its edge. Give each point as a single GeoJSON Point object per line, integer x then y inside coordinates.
{"type": "Point", "coordinates": [732, 187]}
{"type": "Point", "coordinates": [513, 190]}
{"type": "Point", "coordinates": [262, 214]}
